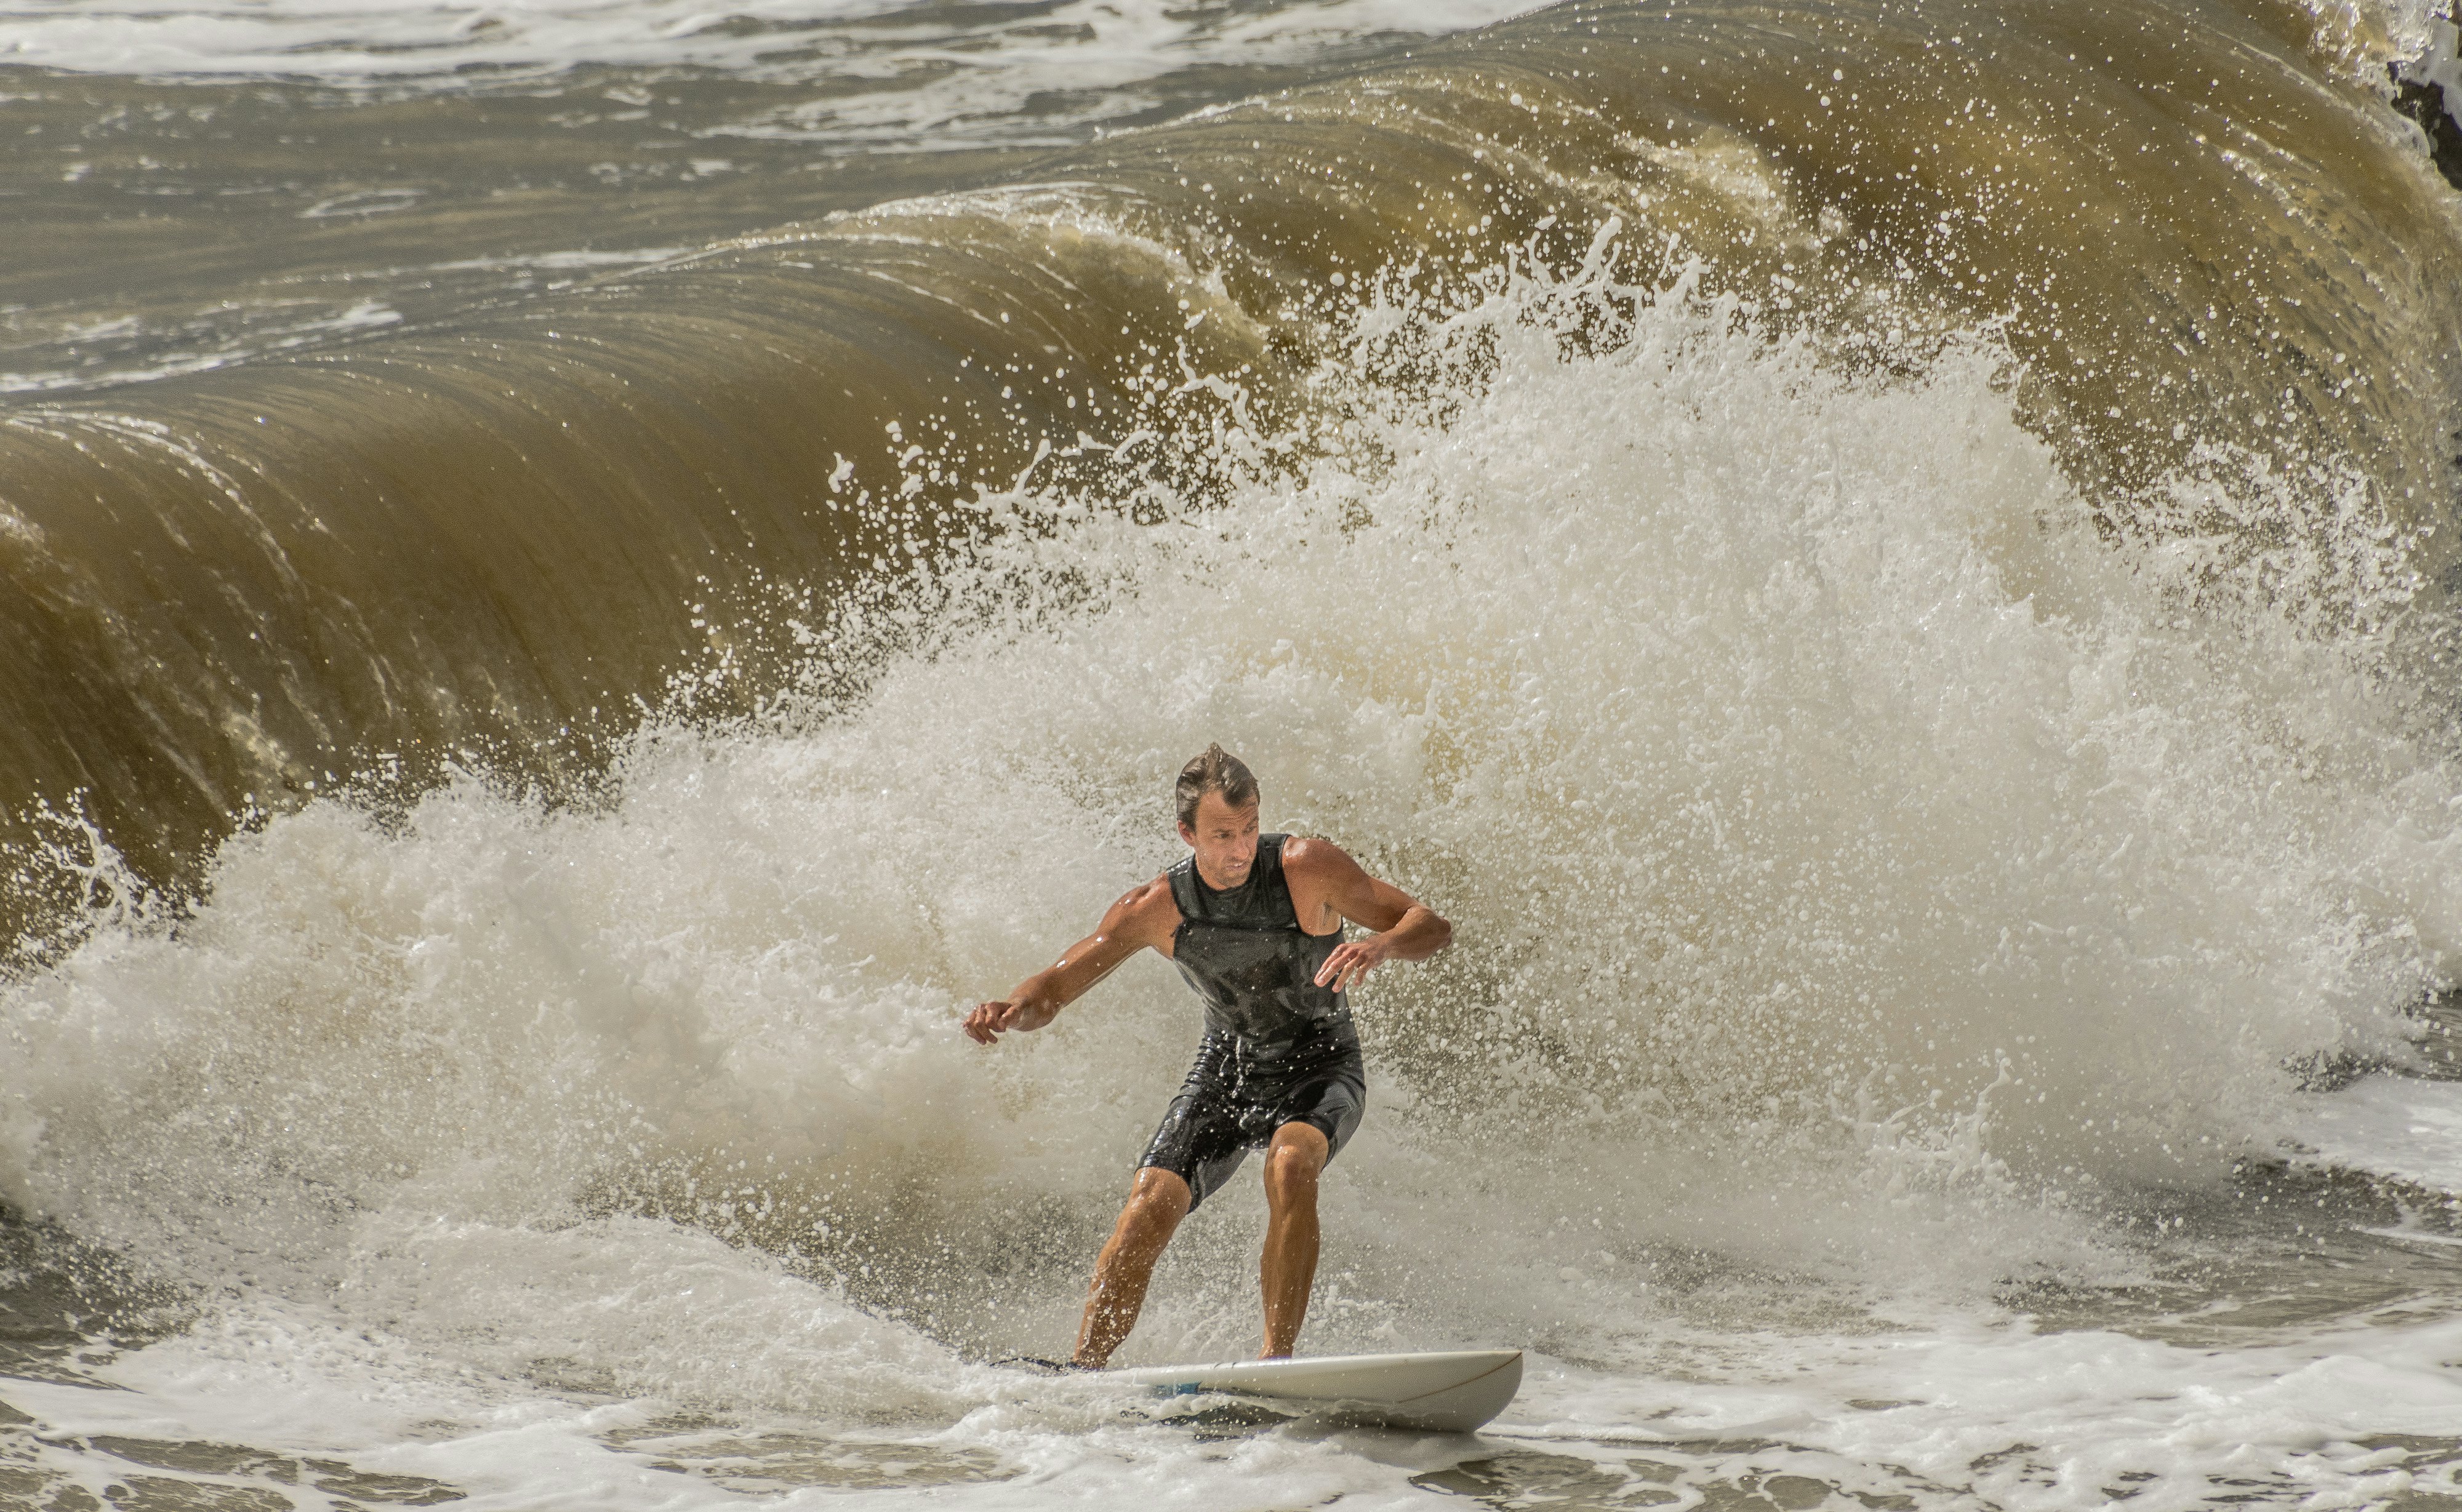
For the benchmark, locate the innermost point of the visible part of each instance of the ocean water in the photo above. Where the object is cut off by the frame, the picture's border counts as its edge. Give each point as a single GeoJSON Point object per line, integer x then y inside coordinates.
{"type": "Point", "coordinates": [584, 579]}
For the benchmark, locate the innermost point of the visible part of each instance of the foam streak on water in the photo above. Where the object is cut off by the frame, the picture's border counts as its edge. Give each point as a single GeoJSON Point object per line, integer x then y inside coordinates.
{"type": "Point", "coordinates": [1881, 892]}
{"type": "Point", "coordinates": [886, 70]}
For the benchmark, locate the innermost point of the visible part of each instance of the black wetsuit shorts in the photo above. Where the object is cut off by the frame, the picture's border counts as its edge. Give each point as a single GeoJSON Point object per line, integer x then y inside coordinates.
{"type": "Point", "coordinates": [1239, 1092]}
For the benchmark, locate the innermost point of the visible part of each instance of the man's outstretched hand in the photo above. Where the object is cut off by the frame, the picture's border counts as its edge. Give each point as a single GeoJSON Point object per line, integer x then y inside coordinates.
{"type": "Point", "coordinates": [988, 1020]}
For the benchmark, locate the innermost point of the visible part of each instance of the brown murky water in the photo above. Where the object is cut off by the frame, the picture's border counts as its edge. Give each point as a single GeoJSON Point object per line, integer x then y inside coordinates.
{"type": "Point", "coordinates": [1889, 564]}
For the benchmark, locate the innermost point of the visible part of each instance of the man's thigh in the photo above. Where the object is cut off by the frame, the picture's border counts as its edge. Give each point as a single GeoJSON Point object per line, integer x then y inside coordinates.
{"type": "Point", "coordinates": [1330, 1105]}
{"type": "Point", "coordinates": [1200, 1141]}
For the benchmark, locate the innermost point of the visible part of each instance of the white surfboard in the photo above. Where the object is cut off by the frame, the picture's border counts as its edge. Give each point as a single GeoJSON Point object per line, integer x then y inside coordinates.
{"type": "Point", "coordinates": [1451, 1392]}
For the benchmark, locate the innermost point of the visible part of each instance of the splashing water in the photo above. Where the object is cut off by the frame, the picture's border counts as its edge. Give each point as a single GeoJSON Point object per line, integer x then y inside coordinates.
{"type": "Point", "coordinates": [1875, 875]}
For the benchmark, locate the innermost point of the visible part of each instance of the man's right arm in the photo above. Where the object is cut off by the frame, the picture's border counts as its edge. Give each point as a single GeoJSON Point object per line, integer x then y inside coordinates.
{"type": "Point", "coordinates": [1144, 918]}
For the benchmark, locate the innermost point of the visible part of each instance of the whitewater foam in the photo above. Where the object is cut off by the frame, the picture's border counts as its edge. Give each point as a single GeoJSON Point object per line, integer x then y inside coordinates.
{"type": "Point", "coordinates": [2395, 1126]}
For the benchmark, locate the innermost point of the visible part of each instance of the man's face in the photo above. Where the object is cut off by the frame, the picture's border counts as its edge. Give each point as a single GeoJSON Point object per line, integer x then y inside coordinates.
{"type": "Point", "coordinates": [1225, 839]}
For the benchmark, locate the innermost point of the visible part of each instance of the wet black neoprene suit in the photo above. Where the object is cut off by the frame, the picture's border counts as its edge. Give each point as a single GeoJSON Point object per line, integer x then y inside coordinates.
{"type": "Point", "coordinates": [1278, 1048]}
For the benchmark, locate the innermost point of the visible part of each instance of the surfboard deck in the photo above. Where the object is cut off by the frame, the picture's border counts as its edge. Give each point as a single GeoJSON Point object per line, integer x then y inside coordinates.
{"type": "Point", "coordinates": [1447, 1392]}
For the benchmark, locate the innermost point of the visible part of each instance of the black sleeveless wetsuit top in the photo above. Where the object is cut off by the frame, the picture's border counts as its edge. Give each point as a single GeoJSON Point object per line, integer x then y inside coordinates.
{"type": "Point", "coordinates": [1247, 957]}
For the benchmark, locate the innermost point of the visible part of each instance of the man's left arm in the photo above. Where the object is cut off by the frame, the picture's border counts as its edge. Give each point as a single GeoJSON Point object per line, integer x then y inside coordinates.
{"type": "Point", "coordinates": [1406, 929]}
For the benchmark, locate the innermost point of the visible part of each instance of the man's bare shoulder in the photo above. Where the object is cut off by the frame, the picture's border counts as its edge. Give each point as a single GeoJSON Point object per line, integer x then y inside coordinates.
{"type": "Point", "coordinates": [1313, 856]}
{"type": "Point", "coordinates": [1146, 910]}
{"type": "Point", "coordinates": [1147, 894]}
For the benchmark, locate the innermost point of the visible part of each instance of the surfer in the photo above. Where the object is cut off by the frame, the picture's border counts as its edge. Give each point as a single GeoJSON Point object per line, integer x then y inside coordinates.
{"type": "Point", "coordinates": [1255, 923]}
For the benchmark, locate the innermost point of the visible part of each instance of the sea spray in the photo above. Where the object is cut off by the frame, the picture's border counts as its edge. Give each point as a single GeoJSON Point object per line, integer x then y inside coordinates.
{"type": "Point", "coordinates": [1857, 855]}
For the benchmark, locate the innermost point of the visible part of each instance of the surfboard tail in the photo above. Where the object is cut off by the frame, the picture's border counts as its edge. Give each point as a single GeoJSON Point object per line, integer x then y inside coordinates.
{"type": "Point", "coordinates": [1454, 1392]}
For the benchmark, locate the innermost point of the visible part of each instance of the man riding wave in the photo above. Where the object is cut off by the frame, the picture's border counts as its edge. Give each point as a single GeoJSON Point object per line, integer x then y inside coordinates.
{"type": "Point", "coordinates": [1255, 923]}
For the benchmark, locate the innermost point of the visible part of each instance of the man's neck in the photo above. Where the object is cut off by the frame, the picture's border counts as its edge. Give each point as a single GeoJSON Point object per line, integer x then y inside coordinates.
{"type": "Point", "coordinates": [1207, 877]}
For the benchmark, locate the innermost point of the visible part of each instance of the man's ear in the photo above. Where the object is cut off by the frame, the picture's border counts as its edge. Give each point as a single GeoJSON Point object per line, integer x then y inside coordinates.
{"type": "Point", "coordinates": [1188, 837]}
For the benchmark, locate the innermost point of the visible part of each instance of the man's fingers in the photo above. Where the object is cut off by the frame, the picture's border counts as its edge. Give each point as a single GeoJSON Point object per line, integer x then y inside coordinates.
{"type": "Point", "coordinates": [1348, 962]}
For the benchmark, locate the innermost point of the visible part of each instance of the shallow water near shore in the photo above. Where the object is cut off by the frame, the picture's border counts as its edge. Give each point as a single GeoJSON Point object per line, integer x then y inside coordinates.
{"type": "Point", "coordinates": [1925, 690]}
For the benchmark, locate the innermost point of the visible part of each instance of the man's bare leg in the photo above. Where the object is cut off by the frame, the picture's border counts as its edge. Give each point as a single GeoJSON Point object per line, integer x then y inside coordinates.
{"type": "Point", "coordinates": [1157, 1200]}
{"type": "Point", "coordinates": [1287, 1268]}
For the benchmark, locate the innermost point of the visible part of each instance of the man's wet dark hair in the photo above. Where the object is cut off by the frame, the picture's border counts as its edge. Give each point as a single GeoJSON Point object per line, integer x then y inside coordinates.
{"type": "Point", "coordinates": [1217, 770]}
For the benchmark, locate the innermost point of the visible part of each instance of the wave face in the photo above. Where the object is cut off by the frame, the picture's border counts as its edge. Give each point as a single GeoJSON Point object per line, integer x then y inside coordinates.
{"type": "Point", "coordinates": [1884, 568]}
{"type": "Point", "coordinates": [491, 530]}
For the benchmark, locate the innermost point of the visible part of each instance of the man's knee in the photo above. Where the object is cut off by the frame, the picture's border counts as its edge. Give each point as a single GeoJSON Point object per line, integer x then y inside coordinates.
{"type": "Point", "coordinates": [1297, 1154]}
{"type": "Point", "coordinates": [1156, 1199]}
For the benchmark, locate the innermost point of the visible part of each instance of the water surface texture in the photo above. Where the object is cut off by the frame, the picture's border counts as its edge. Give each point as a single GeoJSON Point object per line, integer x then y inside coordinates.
{"type": "Point", "coordinates": [581, 579]}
